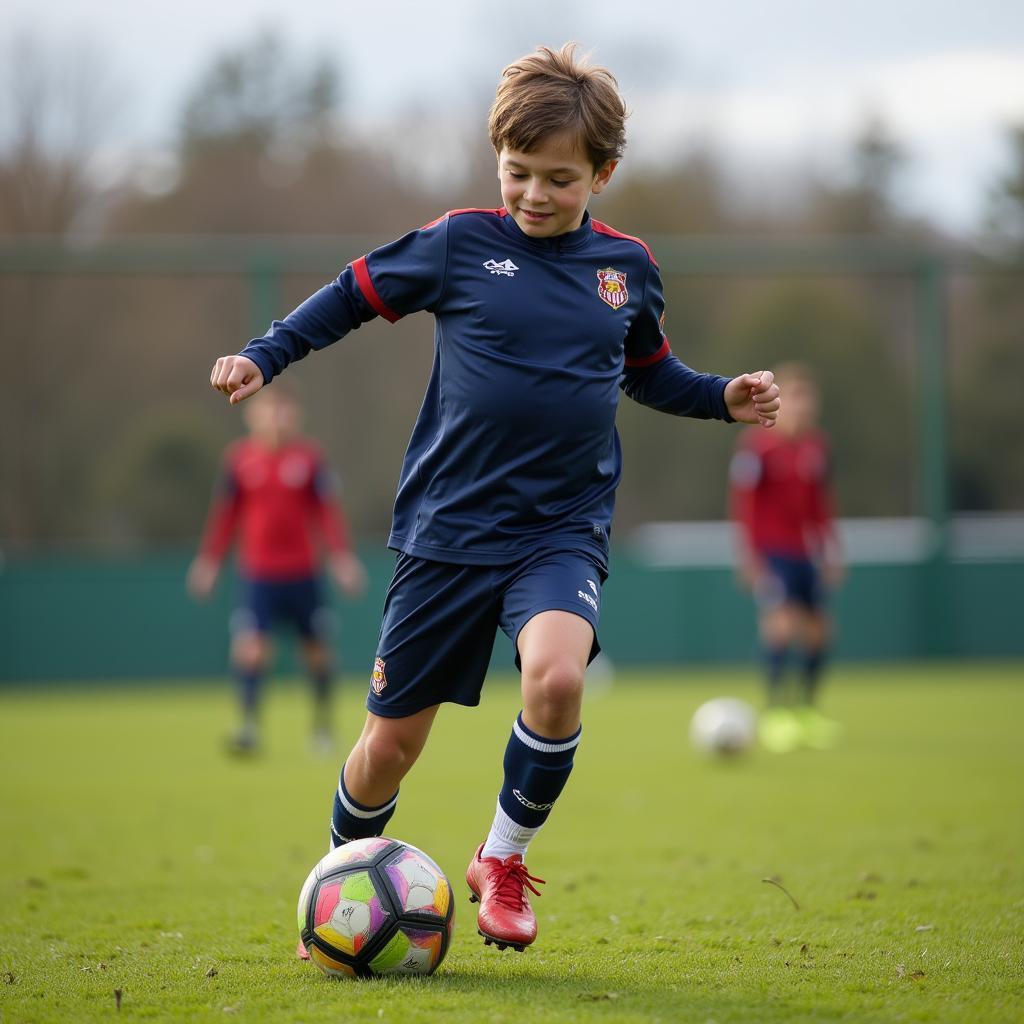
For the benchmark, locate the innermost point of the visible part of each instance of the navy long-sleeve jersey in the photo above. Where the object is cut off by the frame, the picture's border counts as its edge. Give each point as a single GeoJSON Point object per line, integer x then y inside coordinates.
{"type": "Point", "coordinates": [515, 444]}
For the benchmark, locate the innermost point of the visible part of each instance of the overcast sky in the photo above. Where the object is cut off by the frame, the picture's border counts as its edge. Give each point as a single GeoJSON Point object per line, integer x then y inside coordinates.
{"type": "Point", "coordinates": [772, 85]}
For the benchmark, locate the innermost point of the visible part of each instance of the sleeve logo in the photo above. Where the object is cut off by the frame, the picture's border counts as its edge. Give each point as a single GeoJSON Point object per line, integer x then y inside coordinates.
{"type": "Point", "coordinates": [378, 680]}
{"type": "Point", "coordinates": [611, 287]}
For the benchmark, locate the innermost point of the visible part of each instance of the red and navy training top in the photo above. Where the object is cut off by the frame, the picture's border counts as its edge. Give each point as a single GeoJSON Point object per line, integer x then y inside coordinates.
{"type": "Point", "coordinates": [515, 445]}
{"type": "Point", "coordinates": [780, 492]}
{"type": "Point", "coordinates": [277, 500]}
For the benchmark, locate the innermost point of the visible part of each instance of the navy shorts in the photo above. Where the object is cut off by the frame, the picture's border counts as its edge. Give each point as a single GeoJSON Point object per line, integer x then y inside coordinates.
{"type": "Point", "coordinates": [791, 581]}
{"type": "Point", "coordinates": [440, 621]}
{"type": "Point", "coordinates": [296, 603]}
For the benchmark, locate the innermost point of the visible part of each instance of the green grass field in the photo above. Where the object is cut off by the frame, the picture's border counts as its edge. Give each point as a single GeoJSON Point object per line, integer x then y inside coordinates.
{"type": "Point", "coordinates": [135, 857]}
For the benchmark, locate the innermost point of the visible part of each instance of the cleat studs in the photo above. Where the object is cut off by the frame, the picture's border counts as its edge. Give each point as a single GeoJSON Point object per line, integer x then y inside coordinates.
{"type": "Point", "coordinates": [473, 898]}
{"type": "Point", "coordinates": [489, 940]}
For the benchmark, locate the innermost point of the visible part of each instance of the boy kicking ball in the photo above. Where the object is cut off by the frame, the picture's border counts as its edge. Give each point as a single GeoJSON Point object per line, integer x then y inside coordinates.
{"type": "Point", "coordinates": [542, 315]}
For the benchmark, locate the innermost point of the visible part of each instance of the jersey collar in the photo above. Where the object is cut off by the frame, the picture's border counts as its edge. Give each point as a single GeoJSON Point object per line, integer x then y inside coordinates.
{"type": "Point", "coordinates": [570, 241]}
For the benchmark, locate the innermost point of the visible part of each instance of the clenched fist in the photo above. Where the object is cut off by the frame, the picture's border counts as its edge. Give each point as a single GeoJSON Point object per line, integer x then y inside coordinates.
{"type": "Point", "coordinates": [753, 398]}
{"type": "Point", "coordinates": [237, 377]}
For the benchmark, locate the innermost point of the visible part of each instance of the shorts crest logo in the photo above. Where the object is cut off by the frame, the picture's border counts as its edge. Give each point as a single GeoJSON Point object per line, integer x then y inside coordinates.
{"type": "Point", "coordinates": [378, 680]}
{"type": "Point", "coordinates": [611, 287]}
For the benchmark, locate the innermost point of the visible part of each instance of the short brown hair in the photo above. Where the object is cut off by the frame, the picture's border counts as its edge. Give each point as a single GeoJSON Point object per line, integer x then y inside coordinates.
{"type": "Point", "coordinates": [797, 375]}
{"type": "Point", "coordinates": [796, 372]}
{"type": "Point", "coordinates": [284, 391]}
{"type": "Point", "coordinates": [552, 91]}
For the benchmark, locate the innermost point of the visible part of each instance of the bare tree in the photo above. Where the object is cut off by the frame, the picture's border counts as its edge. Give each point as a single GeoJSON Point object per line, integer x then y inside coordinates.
{"type": "Point", "coordinates": [261, 97]}
{"type": "Point", "coordinates": [55, 104]}
{"type": "Point", "coordinates": [1004, 224]}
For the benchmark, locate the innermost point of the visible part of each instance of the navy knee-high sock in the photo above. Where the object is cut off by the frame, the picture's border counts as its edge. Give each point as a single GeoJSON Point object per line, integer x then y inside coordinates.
{"type": "Point", "coordinates": [249, 685]}
{"type": "Point", "coordinates": [321, 683]}
{"type": "Point", "coordinates": [353, 820]}
{"type": "Point", "coordinates": [536, 771]}
{"type": "Point", "coordinates": [813, 663]}
{"type": "Point", "coordinates": [775, 659]}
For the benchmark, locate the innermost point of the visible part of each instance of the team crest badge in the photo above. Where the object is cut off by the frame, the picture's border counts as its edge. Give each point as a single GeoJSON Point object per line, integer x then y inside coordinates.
{"type": "Point", "coordinates": [378, 681]}
{"type": "Point", "coordinates": [611, 286]}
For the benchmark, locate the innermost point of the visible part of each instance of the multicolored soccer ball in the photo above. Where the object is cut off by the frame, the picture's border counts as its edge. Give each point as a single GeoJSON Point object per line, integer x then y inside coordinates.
{"type": "Point", "coordinates": [725, 726]}
{"type": "Point", "coordinates": [376, 906]}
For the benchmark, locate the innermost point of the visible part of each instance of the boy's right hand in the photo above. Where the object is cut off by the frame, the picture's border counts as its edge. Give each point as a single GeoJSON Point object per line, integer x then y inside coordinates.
{"type": "Point", "coordinates": [237, 377]}
{"type": "Point", "coordinates": [349, 573]}
{"type": "Point", "coordinates": [750, 571]}
{"type": "Point", "coordinates": [202, 577]}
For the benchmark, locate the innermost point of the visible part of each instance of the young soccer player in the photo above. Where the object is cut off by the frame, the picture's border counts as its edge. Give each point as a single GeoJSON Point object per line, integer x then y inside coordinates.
{"type": "Point", "coordinates": [276, 494]}
{"type": "Point", "coordinates": [789, 557]}
{"type": "Point", "coordinates": [504, 504]}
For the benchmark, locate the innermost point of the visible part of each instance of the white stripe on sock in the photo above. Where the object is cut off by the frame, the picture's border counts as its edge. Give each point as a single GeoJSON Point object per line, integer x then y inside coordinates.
{"type": "Point", "coordinates": [545, 748]}
{"type": "Point", "coordinates": [358, 812]}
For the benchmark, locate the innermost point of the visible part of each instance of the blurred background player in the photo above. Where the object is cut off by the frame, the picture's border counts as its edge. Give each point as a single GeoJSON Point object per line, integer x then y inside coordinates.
{"type": "Point", "coordinates": [277, 494]}
{"type": "Point", "coordinates": [789, 557]}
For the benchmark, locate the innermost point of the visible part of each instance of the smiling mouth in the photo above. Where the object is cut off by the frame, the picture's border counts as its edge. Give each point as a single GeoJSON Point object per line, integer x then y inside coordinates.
{"type": "Point", "coordinates": [533, 214]}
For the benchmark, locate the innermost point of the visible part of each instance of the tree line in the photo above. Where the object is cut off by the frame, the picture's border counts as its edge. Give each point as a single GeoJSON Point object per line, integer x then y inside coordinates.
{"type": "Point", "coordinates": [109, 436]}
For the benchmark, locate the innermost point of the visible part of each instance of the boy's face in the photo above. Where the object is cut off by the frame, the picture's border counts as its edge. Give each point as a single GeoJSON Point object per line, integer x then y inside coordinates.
{"type": "Point", "coordinates": [800, 406]}
{"type": "Point", "coordinates": [547, 191]}
{"type": "Point", "coordinates": [273, 419]}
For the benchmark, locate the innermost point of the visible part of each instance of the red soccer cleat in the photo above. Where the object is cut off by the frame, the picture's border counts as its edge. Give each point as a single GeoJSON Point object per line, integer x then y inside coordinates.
{"type": "Point", "coordinates": [301, 952]}
{"type": "Point", "coordinates": [505, 917]}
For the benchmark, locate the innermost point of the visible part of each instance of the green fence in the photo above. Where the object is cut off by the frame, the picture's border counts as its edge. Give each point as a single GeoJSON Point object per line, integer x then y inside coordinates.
{"type": "Point", "coordinates": [106, 618]}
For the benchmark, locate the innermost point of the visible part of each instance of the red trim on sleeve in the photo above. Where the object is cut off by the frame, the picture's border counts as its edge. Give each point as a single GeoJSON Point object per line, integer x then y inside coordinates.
{"type": "Point", "coordinates": [604, 229]}
{"type": "Point", "coordinates": [655, 357]}
{"type": "Point", "coordinates": [365, 283]}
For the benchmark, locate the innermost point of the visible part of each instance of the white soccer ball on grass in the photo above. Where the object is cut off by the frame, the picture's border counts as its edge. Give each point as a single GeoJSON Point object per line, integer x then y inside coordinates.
{"type": "Point", "coordinates": [725, 726]}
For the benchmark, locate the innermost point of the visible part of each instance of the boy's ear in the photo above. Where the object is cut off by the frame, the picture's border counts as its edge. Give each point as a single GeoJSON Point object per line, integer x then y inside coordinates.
{"type": "Point", "coordinates": [603, 176]}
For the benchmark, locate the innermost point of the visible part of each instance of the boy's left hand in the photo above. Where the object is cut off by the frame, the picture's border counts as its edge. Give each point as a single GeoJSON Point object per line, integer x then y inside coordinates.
{"type": "Point", "coordinates": [753, 398]}
{"type": "Point", "coordinates": [348, 573]}
{"type": "Point", "coordinates": [202, 577]}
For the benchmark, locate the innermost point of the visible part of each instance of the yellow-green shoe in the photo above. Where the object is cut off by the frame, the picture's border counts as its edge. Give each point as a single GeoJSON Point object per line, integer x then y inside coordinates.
{"type": "Point", "coordinates": [819, 732]}
{"type": "Point", "coordinates": [779, 730]}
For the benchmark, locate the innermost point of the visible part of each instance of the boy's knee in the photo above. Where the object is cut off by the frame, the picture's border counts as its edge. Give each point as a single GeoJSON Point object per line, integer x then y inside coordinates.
{"type": "Point", "coordinates": [817, 631]}
{"type": "Point", "coordinates": [317, 656]}
{"type": "Point", "coordinates": [249, 652]}
{"type": "Point", "coordinates": [556, 684]}
{"type": "Point", "coordinates": [386, 751]}
{"type": "Point", "coordinates": [780, 626]}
